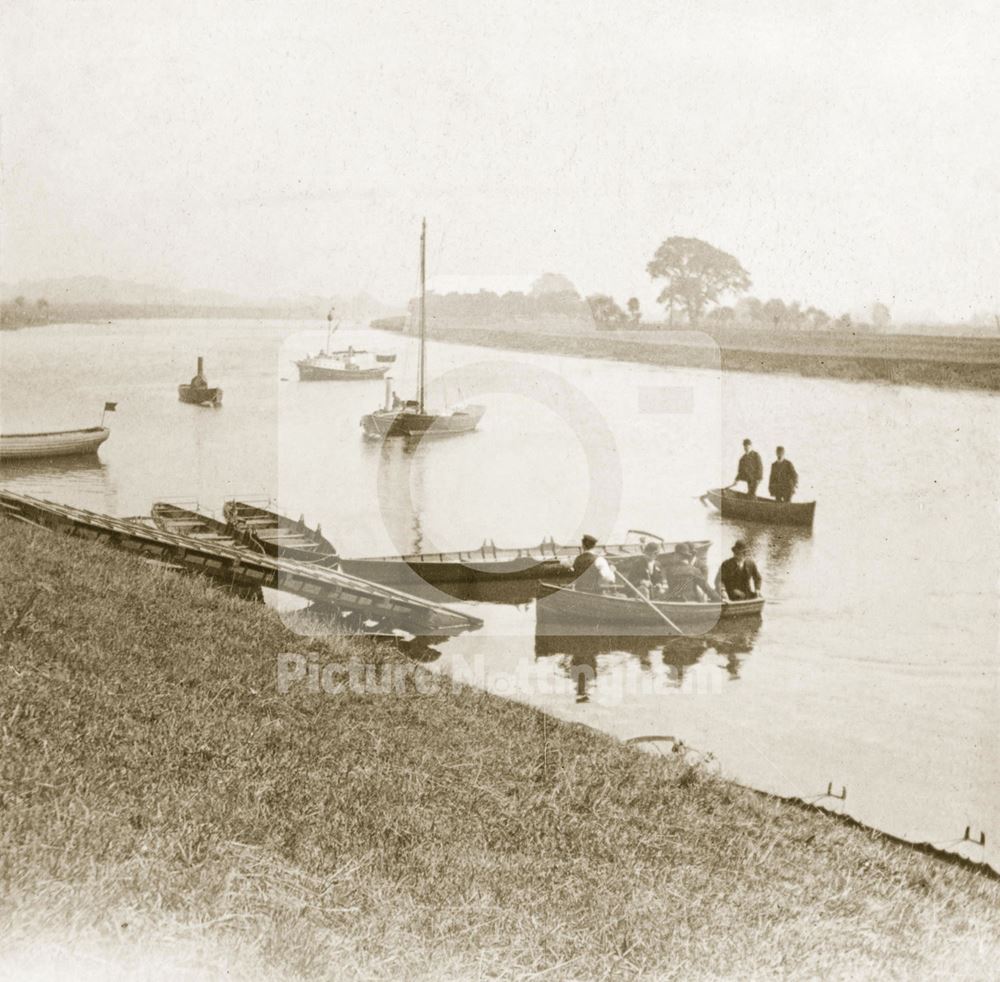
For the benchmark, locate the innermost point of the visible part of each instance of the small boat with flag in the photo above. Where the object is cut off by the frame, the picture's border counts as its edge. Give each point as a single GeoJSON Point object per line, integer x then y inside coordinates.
{"type": "Point", "coordinates": [56, 443]}
{"type": "Point", "coordinates": [738, 504]}
{"type": "Point", "coordinates": [278, 535]}
{"type": "Point", "coordinates": [588, 612]}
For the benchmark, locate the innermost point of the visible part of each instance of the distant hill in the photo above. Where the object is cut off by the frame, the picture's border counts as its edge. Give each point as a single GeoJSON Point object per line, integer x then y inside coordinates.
{"type": "Point", "coordinates": [101, 293]}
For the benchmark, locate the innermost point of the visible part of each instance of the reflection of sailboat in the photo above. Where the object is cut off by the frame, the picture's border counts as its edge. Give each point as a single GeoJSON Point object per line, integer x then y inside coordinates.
{"type": "Point", "coordinates": [410, 418]}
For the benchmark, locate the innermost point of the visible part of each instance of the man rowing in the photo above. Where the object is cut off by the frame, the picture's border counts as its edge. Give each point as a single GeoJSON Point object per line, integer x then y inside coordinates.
{"type": "Point", "coordinates": [738, 577]}
{"type": "Point", "coordinates": [784, 478]}
{"type": "Point", "coordinates": [751, 469]}
{"type": "Point", "coordinates": [592, 570]}
{"type": "Point", "coordinates": [685, 580]}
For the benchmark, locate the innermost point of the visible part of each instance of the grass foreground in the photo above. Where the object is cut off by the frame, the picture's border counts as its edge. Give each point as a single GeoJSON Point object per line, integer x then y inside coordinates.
{"type": "Point", "coordinates": [166, 812]}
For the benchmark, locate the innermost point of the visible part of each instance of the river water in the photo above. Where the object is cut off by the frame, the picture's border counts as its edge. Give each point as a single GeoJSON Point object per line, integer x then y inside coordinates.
{"type": "Point", "coordinates": [874, 667]}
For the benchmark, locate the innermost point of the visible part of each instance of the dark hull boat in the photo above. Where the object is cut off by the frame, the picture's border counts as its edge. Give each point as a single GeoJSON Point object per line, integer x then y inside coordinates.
{"type": "Point", "coordinates": [411, 418]}
{"type": "Point", "coordinates": [278, 535]}
{"type": "Point", "coordinates": [491, 564]}
{"type": "Point", "coordinates": [410, 421]}
{"type": "Point", "coordinates": [737, 504]}
{"type": "Point", "coordinates": [198, 392]}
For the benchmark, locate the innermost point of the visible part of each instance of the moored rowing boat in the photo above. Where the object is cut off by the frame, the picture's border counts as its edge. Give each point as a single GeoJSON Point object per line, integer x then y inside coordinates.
{"type": "Point", "coordinates": [490, 563]}
{"type": "Point", "coordinates": [60, 443]}
{"type": "Point", "coordinates": [278, 535]}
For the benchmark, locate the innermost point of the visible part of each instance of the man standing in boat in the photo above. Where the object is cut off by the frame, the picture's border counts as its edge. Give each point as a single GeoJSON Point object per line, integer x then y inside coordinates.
{"type": "Point", "coordinates": [751, 469]}
{"type": "Point", "coordinates": [784, 478]}
{"type": "Point", "coordinates": [592, 570]}
{"type": "Point", "coordinates": [738, 578]}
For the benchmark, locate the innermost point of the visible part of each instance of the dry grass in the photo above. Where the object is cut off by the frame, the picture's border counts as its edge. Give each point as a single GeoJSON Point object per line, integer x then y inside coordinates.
{"type": "Point", "coordinates": [165, 812]}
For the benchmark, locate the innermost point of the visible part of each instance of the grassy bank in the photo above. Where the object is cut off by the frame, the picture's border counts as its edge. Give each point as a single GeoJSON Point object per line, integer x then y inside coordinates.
{"type": "Point", "coordinates": [163, 806]}
{"type": "Point", "coordinates": [955, 363]}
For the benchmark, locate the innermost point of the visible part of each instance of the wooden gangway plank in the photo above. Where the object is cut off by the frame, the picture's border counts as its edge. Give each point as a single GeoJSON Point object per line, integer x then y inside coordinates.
{"type": "Point", "coordinates": [234, 563]}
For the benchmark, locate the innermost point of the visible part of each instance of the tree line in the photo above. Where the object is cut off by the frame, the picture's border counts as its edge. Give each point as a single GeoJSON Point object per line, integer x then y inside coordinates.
{"type": "Point", "coordinates": [20, 313]}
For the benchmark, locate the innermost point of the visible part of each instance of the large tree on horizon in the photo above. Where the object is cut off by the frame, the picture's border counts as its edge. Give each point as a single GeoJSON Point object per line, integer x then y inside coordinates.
{"type": "Point", "coordinates": [697, 274]}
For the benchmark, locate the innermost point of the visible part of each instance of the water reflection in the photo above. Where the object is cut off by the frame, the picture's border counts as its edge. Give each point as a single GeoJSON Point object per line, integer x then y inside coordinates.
{"type": "Point", "coordinates": [584, 658]}
{"type": "Point", "coordinates": [84, 480]}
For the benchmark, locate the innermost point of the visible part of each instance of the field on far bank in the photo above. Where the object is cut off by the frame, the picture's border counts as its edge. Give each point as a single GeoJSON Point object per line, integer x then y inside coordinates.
{"type": "Point", "coordinates": [164, 809]}
{"type": "Point", "coordinates": [915, 359]}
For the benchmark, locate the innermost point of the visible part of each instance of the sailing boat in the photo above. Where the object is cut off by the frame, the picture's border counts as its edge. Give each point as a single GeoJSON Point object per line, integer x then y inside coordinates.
{"type": "Point", "coordinates": [411, 418]}
{"type": "Point", "coordinates": [341, 366]}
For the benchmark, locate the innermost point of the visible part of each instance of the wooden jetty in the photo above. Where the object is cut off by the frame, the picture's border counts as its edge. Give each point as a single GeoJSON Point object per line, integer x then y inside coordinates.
{"type": "Point", "coordinates": [376, 605]}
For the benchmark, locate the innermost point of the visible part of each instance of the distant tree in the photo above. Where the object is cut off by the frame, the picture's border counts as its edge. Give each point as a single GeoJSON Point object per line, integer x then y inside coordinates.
{"type": "Point", "coordinates": [19, 301]}
{"type": "Point", "coordinates": [775, 312]}
{"type": "Point", "coordinates": [816, 319]}
{"type": "Point", "coordinates": [697, 274]}
{"type": "Point", "coordinates": [552, 283]}
{"type": "Point", "coordinates": [721, 315]}
{"type": "Point", "coordinates": [633, 310]}
{"type": "Point", "coordinates": [881, 318]}
{"type": "Point", "coordinates": [606, 313]}
{"type": "Point", "coordinates": [748, 310]}
{"type": "Point", "coordinates": [843, 322]}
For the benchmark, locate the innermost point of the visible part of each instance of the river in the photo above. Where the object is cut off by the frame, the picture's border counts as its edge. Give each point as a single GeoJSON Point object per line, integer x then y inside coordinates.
{"type": "Point", "coordinates": [875, 665]}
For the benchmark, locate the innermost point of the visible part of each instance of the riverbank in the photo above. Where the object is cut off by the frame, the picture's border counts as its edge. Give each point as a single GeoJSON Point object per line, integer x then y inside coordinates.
{"type": "Point", "coordinates": [164, 805]}
{"type": "Point", "coordinates": [953, 363]}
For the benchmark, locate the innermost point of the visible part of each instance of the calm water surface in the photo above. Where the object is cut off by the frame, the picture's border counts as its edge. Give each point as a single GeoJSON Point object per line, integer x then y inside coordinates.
{"type": "Point", "coordinates": [875, 666]}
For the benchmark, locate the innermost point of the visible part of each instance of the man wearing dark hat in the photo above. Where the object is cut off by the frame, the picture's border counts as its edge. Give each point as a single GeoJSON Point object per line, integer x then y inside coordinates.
{"type": "Point", "coordinates": [751, 469]}
{"type": "Point", "coordinates": [784, 478]}
{"type": "Point", "coordinates": [686, 581]}
{"type": "Point", "coordinates": [592, 570]}
{"type": "Point", "coordinates": [739, 578]}
{"type": "Point", "coordinates": [644, 572]}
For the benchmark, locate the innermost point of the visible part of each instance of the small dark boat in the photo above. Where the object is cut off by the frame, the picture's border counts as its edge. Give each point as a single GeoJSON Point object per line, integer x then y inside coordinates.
{"type": "Point", "coordinates": [610, 611]}
{"type": "Point", "coordinates": [490, 563]}
{"type": "Point", "coordinates": [182, 521]}
{"type": "Point", "coordinates": [278, 535]}
{"type": "Point", "coordinates": [738, 504]}
{"type": "Point", "coordinates": [389, 359]}
{"type": "Point", "coordinates": [198, 392]}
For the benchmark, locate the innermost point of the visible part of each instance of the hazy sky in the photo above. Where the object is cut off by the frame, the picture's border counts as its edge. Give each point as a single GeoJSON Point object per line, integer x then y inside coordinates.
{"type": "Point", "coordinates": [844, 152]}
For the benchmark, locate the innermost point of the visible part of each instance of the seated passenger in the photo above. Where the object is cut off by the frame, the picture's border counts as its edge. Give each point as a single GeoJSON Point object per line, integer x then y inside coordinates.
{"type": "Point", "coordinates": [644, 572]}
{"type": "Point", "coordinates": [593, 573]}
{"type": "Point", "coordinates": [739, 578]}
{"type": "Point", "coordinates": [686, 582]}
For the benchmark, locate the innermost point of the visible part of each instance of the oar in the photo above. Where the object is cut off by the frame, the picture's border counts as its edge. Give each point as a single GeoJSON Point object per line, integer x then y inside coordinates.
{"type": "Point", "coordinates": [649, 603]}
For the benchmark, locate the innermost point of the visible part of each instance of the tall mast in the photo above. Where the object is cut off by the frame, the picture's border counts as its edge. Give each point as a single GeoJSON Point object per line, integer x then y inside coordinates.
{"type": "Point", "coordinates": [423, 316]}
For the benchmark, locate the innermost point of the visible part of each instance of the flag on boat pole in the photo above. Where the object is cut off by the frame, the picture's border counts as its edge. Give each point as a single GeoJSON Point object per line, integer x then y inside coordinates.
{"type": "Point", "coordinates": [109, 407]}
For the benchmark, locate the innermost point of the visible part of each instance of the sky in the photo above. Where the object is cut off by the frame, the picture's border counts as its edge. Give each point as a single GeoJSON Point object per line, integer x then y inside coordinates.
{"type": "Point", "coordinates": [843, 152]}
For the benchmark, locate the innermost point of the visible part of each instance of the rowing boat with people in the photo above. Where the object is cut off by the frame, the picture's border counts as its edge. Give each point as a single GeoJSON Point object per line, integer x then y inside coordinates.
{"type": "Point", "coordinates": [738, 504]}
{"type": "Point", "coordinates": [590, 611]}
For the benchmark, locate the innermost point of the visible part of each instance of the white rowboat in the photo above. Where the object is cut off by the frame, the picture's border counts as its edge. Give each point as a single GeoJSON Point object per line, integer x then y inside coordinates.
{"type": "Point", "coordinates": [61, 443]}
